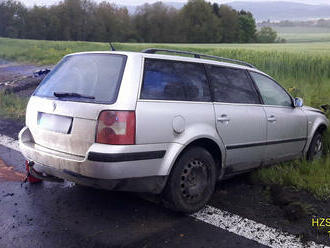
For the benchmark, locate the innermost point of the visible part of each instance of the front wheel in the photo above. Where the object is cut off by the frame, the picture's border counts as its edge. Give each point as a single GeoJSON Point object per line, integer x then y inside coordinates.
{"type": "Point", "coordinates": [191, 182]}
{"type": "Point", "coordinates": [316, 148]}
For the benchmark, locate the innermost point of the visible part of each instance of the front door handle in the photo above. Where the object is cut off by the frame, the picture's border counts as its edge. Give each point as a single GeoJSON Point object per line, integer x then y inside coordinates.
{"type": "Point", "coordinates": [223, 118]}
{"type": "Point", "coordinates": [271, 118]}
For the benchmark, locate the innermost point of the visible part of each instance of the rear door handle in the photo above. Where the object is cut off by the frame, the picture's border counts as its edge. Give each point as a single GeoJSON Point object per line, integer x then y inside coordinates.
{"type": "Point", "coordinates": [271, 118]}
{"type": "Point", "coordinates": [223, 118]}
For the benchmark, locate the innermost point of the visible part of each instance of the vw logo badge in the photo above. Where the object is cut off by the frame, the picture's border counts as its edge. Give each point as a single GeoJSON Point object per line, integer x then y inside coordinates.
{"type": "Point", "coordinates": [54, 106]}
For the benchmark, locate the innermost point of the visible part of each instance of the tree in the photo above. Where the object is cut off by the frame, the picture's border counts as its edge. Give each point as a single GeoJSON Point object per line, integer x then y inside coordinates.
{"type": "Point", "coordinates": [12, 19]}
{"type": "Point", "coordinates": [230, 23]}
{"type": "Point", "coordinates": [37, 23]}
{"type": "Point", "coordinates": [110, 23]}
{"type": "Point", "coordinates": [156, 23]}
{"type": "Point", "coordinates": [266, 35]}
{"type": "Point", "coordinates": [247, 27]}
{"type": "Point", "coordinates": [199, 23]}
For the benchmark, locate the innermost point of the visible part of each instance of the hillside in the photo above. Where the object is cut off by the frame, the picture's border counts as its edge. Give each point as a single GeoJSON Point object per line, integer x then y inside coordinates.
{"type": "Point", "coordinates": [276, 11]}
{"type": "Point", "coordinates": [272, 10]}
{"type": "Point", "coordinates": [262, 10]}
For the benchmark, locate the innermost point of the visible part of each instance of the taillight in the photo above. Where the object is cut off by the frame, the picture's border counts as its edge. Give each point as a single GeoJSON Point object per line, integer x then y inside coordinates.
{"type": "Point", "coordinates": [116, 128]}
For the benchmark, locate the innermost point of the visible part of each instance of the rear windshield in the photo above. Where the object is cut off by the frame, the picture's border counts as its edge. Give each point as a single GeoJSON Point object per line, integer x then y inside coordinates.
{"type": "Point", "coordinates": [85, 77]}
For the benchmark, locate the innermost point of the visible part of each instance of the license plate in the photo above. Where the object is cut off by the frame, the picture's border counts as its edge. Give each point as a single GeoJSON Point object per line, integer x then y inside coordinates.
{"type": "Point", "coordinates": [55, 123]}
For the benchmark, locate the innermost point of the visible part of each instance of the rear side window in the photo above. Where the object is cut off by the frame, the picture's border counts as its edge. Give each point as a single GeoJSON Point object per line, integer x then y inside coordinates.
{"type": "Point", "coordinates": [93, 77]}
{"type": "Point", "coordinates": [232, 85]}
{"type": "Point", "coordinates": [174, 80]}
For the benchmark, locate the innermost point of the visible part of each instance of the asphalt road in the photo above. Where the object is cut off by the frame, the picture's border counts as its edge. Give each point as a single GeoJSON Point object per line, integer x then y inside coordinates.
{"type": "Point", "coordinates": [240, 214]}
{"type": "Point", "coordinates": [66, 215]}
{"type": "Point", "coordinates": [55, 215]}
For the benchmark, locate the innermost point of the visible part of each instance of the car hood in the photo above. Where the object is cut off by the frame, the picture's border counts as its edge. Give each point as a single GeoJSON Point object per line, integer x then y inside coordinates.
{"type": "Point", "coordinates": [307, 108]}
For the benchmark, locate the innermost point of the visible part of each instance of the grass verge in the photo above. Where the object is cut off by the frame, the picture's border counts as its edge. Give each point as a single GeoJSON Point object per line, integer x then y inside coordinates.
{"type": "Point", "coordinates": [12, 106]}
{"type": "Point", "coordinates": [313, 177]}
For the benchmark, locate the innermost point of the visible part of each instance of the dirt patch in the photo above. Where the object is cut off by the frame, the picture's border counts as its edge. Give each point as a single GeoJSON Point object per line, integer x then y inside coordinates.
{"type": "Point", "coordinates": [23, 87]}
{"type": "Point", "coordinates": [282, 208]}
{"type": "Point", "coordinates": [19, 78]}
{"type": "Point", "coordinates": [7, 173]}
{"type": "Point", "coordinates": [27, 92]}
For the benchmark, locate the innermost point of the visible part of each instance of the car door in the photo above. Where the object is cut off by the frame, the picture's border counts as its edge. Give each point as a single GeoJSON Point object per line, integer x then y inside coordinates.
{"type": "Point", "coordinates": [240, 117]}
{"type": "Point", "coordinates": [286, 124]}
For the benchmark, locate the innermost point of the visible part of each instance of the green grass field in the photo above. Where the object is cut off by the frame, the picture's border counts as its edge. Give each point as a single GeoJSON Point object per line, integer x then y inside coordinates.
{"type": "Point", "coordinates": [12, 106]}
{"type": "Point", "coordinates": [302, 68]}
{"type": "Point", "coordinates": [303, 34]}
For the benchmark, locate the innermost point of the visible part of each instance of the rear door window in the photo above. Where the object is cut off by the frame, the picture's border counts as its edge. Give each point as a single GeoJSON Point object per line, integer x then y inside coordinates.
{"type": "Point", "coordinates": [174, 80]}
{"type": "Point", "coordinates": [232, 85]}
{"type": "Point", "coordinates": [85, 77]}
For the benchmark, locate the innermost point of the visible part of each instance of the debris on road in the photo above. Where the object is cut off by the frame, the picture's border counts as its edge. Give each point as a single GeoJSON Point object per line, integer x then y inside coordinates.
{"type": "Point", "coordinates": [28, 177]}
{"type": "Point", "coordinates": [8, 194]}
{"type": "Point", "coordinates": [41, 73]}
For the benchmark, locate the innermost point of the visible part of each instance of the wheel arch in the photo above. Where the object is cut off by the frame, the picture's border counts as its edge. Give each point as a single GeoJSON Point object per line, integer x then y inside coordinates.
{"type": "Point", "coordinates": [211, 146]}
{"type": "Point", "coordinates": [319, 127]}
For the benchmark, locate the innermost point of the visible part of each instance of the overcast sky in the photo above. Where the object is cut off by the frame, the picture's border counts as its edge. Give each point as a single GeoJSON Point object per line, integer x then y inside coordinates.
{"type": "Point", "coordinates": [137, 2]}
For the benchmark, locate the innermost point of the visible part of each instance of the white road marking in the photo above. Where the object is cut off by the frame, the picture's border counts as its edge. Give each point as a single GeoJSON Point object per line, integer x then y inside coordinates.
{"type": "Point", "coordinates": [9, 142]}
{"type": "Point", "coordinates": [230, 222]}
{"type": "Point", "coordinates": [251, 230]}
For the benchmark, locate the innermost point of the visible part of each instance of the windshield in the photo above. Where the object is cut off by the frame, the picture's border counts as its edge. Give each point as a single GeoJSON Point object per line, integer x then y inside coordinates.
{"type": "Point", "coordinates": [97, 76]}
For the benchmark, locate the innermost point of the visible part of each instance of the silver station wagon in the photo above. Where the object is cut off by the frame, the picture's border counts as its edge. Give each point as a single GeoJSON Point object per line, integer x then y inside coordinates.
{"type": "Point", "coordinates": [164, 124]}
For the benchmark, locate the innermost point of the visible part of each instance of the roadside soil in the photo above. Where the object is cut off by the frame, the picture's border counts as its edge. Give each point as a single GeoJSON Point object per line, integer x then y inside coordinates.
{"type": "Point", "coordinates": [283, 208]}
{"type": "Point", "coordinates": [18, 78]}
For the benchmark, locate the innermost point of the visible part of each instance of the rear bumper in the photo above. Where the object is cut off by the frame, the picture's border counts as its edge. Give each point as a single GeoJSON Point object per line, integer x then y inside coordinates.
{"type": "Point", "coordinates": [152, 184]}
{"type": "Point", "coordinates": [105, 166]}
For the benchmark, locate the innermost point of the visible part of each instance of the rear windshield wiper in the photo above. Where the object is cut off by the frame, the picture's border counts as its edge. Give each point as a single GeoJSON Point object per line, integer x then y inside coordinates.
{"type": "Point", "coordinates": [67, 94]}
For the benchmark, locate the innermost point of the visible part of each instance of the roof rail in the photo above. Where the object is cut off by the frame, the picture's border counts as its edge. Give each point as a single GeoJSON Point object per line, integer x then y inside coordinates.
{"type": "Point", "coordinates": [196, 55]}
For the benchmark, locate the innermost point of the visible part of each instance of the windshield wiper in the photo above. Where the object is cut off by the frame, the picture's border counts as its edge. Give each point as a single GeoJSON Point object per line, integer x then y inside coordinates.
{"type": "Point", "coordinates": [67, 94]}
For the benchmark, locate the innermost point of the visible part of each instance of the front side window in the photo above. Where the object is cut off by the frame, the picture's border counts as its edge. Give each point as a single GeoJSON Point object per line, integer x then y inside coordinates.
{"type": "Point", "coordinates": [271, 92]}
{"type": "Point", "coordinates": [85, 77]}
{"type": "Point", "coordinates": [232, 85]}
{"type": "Point", "coordinates": [174, 80]}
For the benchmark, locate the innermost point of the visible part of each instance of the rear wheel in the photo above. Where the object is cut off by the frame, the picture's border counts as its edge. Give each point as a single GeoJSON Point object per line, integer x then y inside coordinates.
{"type": "Point", "coordinates": [316, 148]}
{"type": "Point", "coordinates": [191, 182]}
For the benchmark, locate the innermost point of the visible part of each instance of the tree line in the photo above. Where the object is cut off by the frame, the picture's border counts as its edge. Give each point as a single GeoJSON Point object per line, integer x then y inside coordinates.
{"type": "Point", "coordinates": [320, 23]}
{"type": "Point", "coordinates": [85, 20]}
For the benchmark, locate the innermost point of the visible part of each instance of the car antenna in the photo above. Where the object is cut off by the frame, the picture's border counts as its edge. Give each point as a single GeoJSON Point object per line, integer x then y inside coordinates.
{"type": "Point", "coordinates": [112, 48]}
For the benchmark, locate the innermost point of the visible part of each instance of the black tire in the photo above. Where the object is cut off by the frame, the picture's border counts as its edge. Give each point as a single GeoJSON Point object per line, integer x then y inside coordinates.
{"type": "Point", "coordinates": [191, 182]}
{"type": "Point", "coordinates": [316, 148]}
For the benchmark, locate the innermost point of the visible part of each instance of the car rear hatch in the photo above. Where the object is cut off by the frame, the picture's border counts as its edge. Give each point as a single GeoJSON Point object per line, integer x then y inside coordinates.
{"type": "Point", "coordinates": [62, 114]}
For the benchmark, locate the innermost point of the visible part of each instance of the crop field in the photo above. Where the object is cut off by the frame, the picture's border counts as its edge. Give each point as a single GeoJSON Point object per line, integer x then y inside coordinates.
{"type": "Point", "coordinates": [302, 68]}
{"type": "Point", "coordinates": [304, 34]}
{"type": "Point", "coordinates": [298, 34]}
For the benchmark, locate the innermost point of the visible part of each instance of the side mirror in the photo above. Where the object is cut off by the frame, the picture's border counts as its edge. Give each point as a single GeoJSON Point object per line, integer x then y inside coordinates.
{"type": "Point", "coordinates": [298, 102]}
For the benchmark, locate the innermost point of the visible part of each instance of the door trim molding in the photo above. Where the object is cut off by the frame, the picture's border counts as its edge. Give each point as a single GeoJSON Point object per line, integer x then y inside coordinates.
{"type": "Point", "coordinates": [274, 142]}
